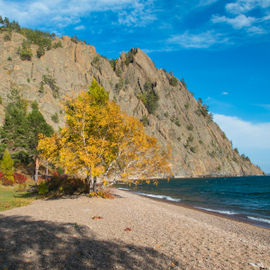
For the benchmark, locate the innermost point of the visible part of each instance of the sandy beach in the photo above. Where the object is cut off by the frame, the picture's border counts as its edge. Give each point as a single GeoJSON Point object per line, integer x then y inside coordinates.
{"type": "Point", "coordinates": [132, 232]}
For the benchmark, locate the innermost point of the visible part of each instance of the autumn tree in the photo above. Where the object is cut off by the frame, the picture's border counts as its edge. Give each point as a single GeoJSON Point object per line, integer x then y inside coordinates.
{"type": "Point", "coordinates": [99, 140]}
{"type": "Point", "coordinates": [6, 166]}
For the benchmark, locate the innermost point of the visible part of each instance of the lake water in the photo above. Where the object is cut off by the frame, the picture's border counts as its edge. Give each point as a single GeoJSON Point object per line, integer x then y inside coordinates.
{"type": "Point", "coordinates": [242, 198]}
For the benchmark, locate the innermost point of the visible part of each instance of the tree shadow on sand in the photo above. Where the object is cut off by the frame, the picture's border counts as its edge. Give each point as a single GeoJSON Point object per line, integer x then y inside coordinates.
{"type": "Point", "coordinates": [29, 244]}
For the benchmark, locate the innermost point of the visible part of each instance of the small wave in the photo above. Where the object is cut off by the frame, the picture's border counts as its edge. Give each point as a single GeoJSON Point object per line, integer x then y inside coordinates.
{"type": "Point", "coordinates": [260, 219]}
{"type": "Point", "coordinates": [123, 188]}
{"type": "Point", "coordinates": [163, 197]}
{"type": "Point", "coordinates": [218, 211]}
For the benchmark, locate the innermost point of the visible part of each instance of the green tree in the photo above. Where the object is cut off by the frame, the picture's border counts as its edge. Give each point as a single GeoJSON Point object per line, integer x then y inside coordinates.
{"type": "Point", "coordinates": [14, 133]}
{"type": "Point", "coordinates": [37, 125]}
{"type": "Point", "coordinates": [6, 166]}
{"type": "Point", "coordinates": [21, 129]}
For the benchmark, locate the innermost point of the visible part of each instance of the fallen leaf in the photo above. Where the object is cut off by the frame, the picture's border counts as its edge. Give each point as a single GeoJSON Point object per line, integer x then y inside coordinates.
{"type": "Point", "coordinates": [97, 217]}
{"type": "Point", "coordinates": [127, 229]}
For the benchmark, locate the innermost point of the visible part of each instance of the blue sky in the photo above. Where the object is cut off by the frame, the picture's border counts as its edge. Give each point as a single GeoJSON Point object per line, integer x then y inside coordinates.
{"type": "Point", "coordinates": [220, 48]}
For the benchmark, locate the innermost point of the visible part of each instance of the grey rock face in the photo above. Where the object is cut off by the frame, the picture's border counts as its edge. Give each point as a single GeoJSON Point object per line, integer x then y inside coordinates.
{"type": "Point", "coordinates": [199, 147]}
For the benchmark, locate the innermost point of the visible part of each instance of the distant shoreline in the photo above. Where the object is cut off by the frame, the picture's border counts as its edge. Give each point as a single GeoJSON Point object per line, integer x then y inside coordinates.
{"type": "Point", "coordinates": [237, 218]}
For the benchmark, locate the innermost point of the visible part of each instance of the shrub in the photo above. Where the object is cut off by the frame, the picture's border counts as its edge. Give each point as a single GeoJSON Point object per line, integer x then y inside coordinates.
{"type": "Point", "coordinates": [40, 51]}
{"type": "Point", "coordinates": [63, 184]}
{"type": "Point", "coordinates": [118, 71]}
{"type": "Point", "coordinates": [150, 101]}
{"type": "Point", "coordinates": [148, 86]}
{"type": "Point", "coordinates": [19, 178]}
{"type": "Point", "coordinates": [166, 114]}
{"type": "Point", "coordinates": [1, 100]}
{"type": "Point", "coordinates": [190, 138]}
{"type": "Point", "coordinates": [149, 97]}
{"type": "Point", "coordinates": [119, 85]}
{"type": "Point", "coordinates": [7, 181]}
{"type": "Point", "coordinates": [187, 106]}
{"type": "Point", "coordinates": [130, 56]}
{"type": "Point", "coordinates": [105, 194]}
{"type": "Point", "coordinates": [96, 61]}
{"type": "Point", "coordinates": [190, 127]}
{"type": "Point", "coordinates": [246, 158]}
{"type": "Point", "coordinates": [173, 81]}
{"type": "Point", "coordinates": [200, 142]}
{"type": "Point", "coordinates": [41, 88]}
{"type": "Point", "coordinates": [145, 120]}
{"type": "Point", "coordinates": [177, 122]}
{"type": "Point", "coordinates": [113, 63]}
{"type": "Point", "coordinates": [212, 154]}
{"type": "Point", "coordinates": [183, 82]}
{"type": "Point", "coordinates": [43, 188]}
{"type": "Point", "coordinates": [7, 37]}
{"type": "Point", "coordinates": [42, 39]}
{"type": "Point", "coordinates": [57, 45]}
{"type": "Point", "coordinates": [55, 118]}
{"type": "Point", "coordinates": [50, 81]}
{"type": "Point", "coordinates": [75, 39]}
{"type": "Point", "coordinates": [9, 58]}
{"type": "Point", "coordinates": [25, 51]}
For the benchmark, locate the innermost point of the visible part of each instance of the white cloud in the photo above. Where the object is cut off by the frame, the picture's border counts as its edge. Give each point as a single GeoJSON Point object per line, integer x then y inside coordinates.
{"type": "Point", "coordinates": [237, 22]}
{"type": "Point", "coordinates": [65, 12]}
{"type": "Point", "coordinates": [225, 93]}
{"type": "Point", "coordinates": [250, 138]}
{"type": "Point", "coordinates": [79, 27]}
{"type": "Point", "coordinates": [256, 30]}
{"type": "Point", "coordinates": [206, 2]}
{"type": "Point", "coordinates": [238, 16]}
{"type": "Point", "coordinates": [201, 40]}
{"type": "Point", "coordinates": [243, 6]}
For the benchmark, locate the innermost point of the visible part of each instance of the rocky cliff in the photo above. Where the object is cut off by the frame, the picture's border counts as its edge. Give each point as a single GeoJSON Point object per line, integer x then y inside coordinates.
{"type": "Point", "coordinates": [167, 109]}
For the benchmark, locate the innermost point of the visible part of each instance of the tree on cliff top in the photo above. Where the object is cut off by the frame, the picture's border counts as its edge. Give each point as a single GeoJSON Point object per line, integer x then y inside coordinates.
{"type": "Point", "coordinates": [99, 140]}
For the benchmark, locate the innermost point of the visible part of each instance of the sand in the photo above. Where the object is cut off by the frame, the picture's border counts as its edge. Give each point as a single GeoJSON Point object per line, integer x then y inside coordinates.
{"type": "Point", "coordinates": [61, 234]}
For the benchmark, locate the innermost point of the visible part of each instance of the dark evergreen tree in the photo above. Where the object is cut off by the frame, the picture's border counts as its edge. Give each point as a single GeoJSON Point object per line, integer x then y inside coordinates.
{"type": "Point", "coordinates": [20, 131]}
{"type": "Point", "coordinates": [37, 125]}
{"type": "Point", "coordinates": [14, 133]}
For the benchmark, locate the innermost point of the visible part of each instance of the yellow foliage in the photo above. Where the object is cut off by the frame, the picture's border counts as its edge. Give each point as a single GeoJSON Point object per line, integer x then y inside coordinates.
{"type": "Point", "coordinates": [101, 140]}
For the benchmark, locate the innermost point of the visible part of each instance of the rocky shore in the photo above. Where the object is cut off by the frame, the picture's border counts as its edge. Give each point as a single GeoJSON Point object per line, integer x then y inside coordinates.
{"type": "Point", "coordinates": [128, 232]}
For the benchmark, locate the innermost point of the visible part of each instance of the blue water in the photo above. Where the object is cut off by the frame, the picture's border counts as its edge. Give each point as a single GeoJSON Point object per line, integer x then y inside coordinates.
{"type": "Point", "coordinates": [244, 198]}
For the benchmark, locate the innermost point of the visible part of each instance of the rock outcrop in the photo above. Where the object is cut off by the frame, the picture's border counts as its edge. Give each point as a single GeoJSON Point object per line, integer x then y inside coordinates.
{"type": "Point", "coordinates": [199, 147]}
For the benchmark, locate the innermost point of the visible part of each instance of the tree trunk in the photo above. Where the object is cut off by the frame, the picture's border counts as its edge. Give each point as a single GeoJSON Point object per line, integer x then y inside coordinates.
{"type": "Point", "coordinates": [95, 184]}
{"type": "Point", "coordinates": [89, 182]}
{"type": "Point", "coordinates": [47, 170]}
{"type": "Point", "coordinates": [36, 170]}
